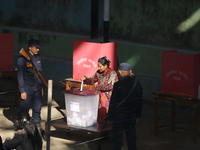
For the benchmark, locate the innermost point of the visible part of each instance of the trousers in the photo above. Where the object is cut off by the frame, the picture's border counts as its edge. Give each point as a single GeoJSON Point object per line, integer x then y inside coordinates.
{"type": "Point", "coordinates": [118, 126]}
{"type": "Point", "coordinates": [34, 98]}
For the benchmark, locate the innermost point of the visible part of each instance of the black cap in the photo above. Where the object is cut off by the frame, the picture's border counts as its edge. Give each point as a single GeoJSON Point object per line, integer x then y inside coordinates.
{"type": "Point", "coordinates": [33, 42]}
{"type": "Point", "coordinates": [124, 67]}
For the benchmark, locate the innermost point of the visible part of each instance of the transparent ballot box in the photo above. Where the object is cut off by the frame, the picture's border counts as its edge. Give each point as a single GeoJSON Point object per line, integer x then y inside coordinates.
{"type": "Point", "coordinates": [81, 107]}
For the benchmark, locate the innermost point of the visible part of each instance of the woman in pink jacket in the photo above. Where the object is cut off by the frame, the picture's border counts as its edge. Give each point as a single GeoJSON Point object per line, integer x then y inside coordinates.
{"type": "Point", "coordinates": [103, 80]}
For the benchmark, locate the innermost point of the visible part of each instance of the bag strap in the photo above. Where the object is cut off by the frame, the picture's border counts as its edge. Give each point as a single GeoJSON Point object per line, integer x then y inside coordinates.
{"type": "Point", "coordinates": [128, 94]}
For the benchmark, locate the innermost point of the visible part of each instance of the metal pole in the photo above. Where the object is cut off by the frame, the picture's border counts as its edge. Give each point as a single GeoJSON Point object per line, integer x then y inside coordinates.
{"type": "Point", "coordinates": [94, 19]}
{"type": "Point", "coordinates": [106, 21]}
{"type": "Point", "coordinates": [50, 85]}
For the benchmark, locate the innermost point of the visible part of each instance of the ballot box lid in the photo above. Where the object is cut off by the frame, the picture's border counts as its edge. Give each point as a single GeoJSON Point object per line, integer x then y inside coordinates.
{"type": "Point", "coordinates": [85, 92]}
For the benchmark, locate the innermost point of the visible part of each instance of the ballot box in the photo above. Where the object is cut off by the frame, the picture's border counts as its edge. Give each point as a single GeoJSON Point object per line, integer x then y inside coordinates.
{"type": "Point", "coordinates": [81, 107]}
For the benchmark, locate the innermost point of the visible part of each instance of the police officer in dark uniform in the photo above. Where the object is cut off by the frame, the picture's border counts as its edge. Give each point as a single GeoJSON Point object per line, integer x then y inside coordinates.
{"type": "Point", "coordinates": [125, 108]}
{"type": "Point", "coordinates": [30, 85]}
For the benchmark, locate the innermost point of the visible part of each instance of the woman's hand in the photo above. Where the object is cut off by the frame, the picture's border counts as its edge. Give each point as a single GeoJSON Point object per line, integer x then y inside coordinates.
{"type": "Point", "coordinates": [83, 78]}
{"type": "Point", "coordinates": [95, 84]}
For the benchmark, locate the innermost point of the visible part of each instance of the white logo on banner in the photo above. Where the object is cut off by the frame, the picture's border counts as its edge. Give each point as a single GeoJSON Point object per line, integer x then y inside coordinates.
{"type": "Point", "coordinates": [175, 73]}
{"type": "Point", "coordinates": [82, 60]}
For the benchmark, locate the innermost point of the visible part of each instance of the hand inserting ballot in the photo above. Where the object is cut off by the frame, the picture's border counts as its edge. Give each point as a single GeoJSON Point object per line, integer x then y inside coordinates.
{"type": "Point", "coordinates": [95, 84]}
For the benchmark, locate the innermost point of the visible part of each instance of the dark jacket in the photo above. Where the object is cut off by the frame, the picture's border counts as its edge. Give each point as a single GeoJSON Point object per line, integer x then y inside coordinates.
{"type": "Point", "coordinates": [26, 80]}
{"type": "Point", "coordinates": [20, 141]}
{"type": "Point", "coordinates": [132, 106]}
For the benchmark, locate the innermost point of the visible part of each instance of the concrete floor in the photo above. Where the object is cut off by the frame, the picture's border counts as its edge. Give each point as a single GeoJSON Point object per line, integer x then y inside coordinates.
{"type": "Point", "coordinates": [165, 140]}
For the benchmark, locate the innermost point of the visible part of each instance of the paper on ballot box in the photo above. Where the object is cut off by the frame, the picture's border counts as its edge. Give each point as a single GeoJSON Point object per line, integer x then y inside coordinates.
{"type": "Point", "coordinates": [74, 107]}
{"type": "Point", "coordinates": [180, 73]}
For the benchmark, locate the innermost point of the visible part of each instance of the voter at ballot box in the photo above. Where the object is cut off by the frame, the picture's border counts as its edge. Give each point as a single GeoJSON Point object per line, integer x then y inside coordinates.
{"type": "Point", "coordinates": [103, 80]}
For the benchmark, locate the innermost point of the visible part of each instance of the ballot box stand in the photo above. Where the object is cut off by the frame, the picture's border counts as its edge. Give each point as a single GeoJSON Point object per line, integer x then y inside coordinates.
{"type": "Point", "coordinates": [175, 98]}
{"type": "Point", "coordinates": [96, 131]}
{"type": "Point", "coordinates": [71, 83]}
{"type": "Point", "coordinates": [75, 109]}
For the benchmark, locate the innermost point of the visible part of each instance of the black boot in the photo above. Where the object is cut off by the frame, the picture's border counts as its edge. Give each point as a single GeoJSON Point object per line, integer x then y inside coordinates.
{"type": "Point", "coordinates": [38, 125]}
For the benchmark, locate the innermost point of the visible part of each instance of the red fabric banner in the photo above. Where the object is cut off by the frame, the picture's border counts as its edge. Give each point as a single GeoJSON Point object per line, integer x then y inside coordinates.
{"type": "Point", "coordinates": [6, 51]}
{"type": "Point", "coordinates": [180, 73]}
{"type": "Point", "coordinates": [86, 55]}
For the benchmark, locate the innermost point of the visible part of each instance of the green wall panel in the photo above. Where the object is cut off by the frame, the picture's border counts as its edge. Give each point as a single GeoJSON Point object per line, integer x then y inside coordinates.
{"type": "Point", "coordinates": [142, 59]}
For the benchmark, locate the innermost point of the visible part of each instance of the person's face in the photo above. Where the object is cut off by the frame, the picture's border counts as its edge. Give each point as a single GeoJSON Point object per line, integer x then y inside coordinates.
{"type": "Point", "coordinates": [34, 50]}
{"type": "Point", "coordinates": [120, 73]}
{"type": "Point", "coordinates": [101, 67]}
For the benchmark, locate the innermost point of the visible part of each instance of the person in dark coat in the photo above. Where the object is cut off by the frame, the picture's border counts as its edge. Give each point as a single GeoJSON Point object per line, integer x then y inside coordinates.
{"type": "Point", "coordinates": [27, 136]}
{"type": "Point", "coordinates": [30, 85]}
{"type": "Point", "coordinates": [125, 108]}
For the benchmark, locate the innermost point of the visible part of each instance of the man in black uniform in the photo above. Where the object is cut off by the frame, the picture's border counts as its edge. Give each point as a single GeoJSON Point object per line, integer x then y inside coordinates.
{"type": "Point", "coordinates": [125, 108]}
{"type": "Point", "coordinates": [30, 85]}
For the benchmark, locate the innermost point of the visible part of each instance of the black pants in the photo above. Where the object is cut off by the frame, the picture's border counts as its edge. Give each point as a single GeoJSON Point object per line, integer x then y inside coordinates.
{"type": "Point", "coordinates": [34, 98]}
{"type": "Point", "coordinates": [117, 133]}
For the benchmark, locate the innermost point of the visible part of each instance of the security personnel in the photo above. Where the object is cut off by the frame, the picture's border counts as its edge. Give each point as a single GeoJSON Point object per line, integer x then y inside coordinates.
{"type": "Point", "coordinates": [125, 108]}
{"type": "Point", "coordinates": [30, 85]}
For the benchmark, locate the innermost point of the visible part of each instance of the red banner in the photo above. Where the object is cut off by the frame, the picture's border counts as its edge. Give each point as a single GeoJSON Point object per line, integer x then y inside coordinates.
{"type": "Point", "coordinates": [180, 73]}
{"type": "Point", "coordinates": [6, 51]}
{"type": "Point", "coordinates": [86, 55]}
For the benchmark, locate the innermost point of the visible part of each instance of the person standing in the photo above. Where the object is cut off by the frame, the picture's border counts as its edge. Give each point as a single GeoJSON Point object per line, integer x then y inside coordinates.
{"type": "Point", "coordinates": [30, 85]}
{"type": "Point", "coordinates": [103, 80]}
{"type": "Point", "coordinates": [125, 108]}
